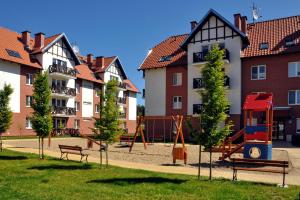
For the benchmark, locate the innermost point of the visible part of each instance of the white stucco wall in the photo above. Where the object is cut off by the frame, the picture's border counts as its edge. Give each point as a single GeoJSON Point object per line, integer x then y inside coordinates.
{"type": "Point", "coordinates": [155, 92]}
{"type": "Point", "coordinates": [87, 103]}
{"type": "Point", "coordinates": [132, 106]}
{"type": "Point", "coordinates": [232, 69]}
{"type": "Point", "coordinates": [10, 74]}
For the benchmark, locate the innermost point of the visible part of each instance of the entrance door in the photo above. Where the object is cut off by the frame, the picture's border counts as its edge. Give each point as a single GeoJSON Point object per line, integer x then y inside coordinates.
{"type": "Point", "coordinates": [279, 129]}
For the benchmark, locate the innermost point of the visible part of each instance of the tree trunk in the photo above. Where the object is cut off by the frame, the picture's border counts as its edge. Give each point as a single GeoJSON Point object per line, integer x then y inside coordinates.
{"type": "Point", "coordinates": [1, 142]}
{"type": "Point", "coordinates": [199, 165]}
{"type": "Point", "coordinates": [100, 150]}
{"type": "Point", "coordinates": [106, 154]}
{"type": "Point", "coordinates": [39, 147]}
{"type": "Point", "coordinates": [210, 163]}
{"type": "Point", "coordinates": [42, 147]}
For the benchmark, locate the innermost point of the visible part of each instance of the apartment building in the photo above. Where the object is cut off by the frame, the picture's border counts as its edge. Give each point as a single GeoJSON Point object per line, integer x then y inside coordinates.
{"type": "Point", "coordinates": [259, 57]}
{"type": "Point", "coordinates": [75, 84]}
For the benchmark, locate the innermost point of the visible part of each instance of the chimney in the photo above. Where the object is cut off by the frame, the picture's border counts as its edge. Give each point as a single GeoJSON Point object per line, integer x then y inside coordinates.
{"type": "Point", "coordinates": [244, 24]}
{"type": "Point", "coordinates": [193, 25]}
{"type": "Point", "coordinates": [89, 58]}
{"type": "Point", "coordinates": [26, 38]}
{"type": "Point", "coordinates": [237, 21]}
{"type": "Point", "coordinates": [39, 40]}
{"type": "Point", "coordinates": [100, 61]}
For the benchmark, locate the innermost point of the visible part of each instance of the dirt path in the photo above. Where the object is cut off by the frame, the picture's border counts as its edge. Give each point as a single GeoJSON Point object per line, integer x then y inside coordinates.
{"type": "Point", "coordinates": [158, 158]}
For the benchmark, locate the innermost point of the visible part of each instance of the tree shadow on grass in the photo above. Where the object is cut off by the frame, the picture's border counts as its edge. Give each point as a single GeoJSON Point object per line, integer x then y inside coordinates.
{"type": "Point", "coordinates": [62, 167]}
{"type": "Point", "coordinates": [13, 157]}
{"type": "Point", "coordinates": [124, 181]}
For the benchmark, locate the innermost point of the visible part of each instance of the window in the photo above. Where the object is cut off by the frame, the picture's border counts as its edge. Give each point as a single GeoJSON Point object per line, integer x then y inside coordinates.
{"type": "Point", "coordinates": [97, 108]}
{"type": "Point", "coordinates": [197, 108]}
{"type": "Point", "coordinates": [298, 125]}
{"type": "Point", "coordinates": [77, 105]}
{"type": "Point", "coordinates": [177, 79]}
{"type": "Point", "coordinates": [258, 72]}
{"type": "Point", "coordinates": [177, 102]}
{"type": "Point", "coordinates": [165, 58]}
{"type": "Point", "coordinates": [29, 100]}
{"type": "Point", "coordinates": [77, 88]}
{"type": "Point", "coordinates": [294, 69]}
{"type": "Point", "coordinates": [263, 45]}
{"type": "Point", "coordinates": [76, 123]}
{"type": "Point", "coordinates": [289, 42]}
{"type": "Point", "coordinates": [97, 92]}
{"type": "Point", "coordinates": [59, 102]}
{"type": "Point", "coordinates": [28, 123]}
{"type": "Point", "coordinates": [13, 53]}
{"type": "Point", "coordinates": [29, 79]}
{"type": "Point", "coordinates": [114, 78]}
{"type": "Point", "coordinates": [294, 97]}
{"type": "Point", "coordinates": [59, 62]}
{"type": "Point", "coordinates": [197, 83]}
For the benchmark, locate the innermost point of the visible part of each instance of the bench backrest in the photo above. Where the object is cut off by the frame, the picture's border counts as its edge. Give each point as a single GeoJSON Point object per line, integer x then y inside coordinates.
{"type": "Point", "coordinates": [274, 163]}
{"type": "Point", "coordinates": [74, 148]}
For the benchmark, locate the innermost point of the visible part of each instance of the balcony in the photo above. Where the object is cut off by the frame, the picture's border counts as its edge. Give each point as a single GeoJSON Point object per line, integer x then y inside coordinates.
{"type": "Point", "coordinates": [63, 111]}
{"type": "Point", "coordinates": [63, 91]}
{"type": "Point", "coordinates": [65, 131]}
{"type": "Point", "coordinates": [199, 57]}
{"type": "Point", "coordinates": [62, 71]}
{"type": "Point", "coordinates": [122, 86]}
{"type": "Point", "coordinates": [121, 100]}
{"type": "Point", "coordinates": [197, 109]}
{"type": "Point", "coordinates": [198, 83]}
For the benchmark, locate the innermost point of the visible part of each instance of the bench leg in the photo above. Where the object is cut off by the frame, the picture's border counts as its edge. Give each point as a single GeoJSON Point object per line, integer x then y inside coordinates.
{"type": "Point", "coordinates": [234, 176]}
{"type": "Point", "coordinates": [81, 158]}
{"type": "Point", "coordinates": [61, 155]}
{"type": "Point", "coordinates": [67, 156]}
{"type": "Point", "coordinates": [86, 158]}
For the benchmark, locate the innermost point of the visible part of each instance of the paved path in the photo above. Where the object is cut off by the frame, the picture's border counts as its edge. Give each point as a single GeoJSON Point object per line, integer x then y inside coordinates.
{"type": "Point", "coordinates": [293, 178]}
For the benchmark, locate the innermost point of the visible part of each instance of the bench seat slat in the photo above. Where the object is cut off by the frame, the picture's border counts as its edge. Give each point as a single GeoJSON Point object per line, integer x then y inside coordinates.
{"type": "Point", "coordinates": [258, 160]}
{"type": "Point", "coordinates": [262, 164]}
{"type": "Point", "coordinates": [260, 170]}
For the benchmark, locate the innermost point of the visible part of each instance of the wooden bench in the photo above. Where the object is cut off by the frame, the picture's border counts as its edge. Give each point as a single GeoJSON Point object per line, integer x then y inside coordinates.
{"type": "Point", "coordinates": [126, 138]}
{"type": "Point", "coordinates": [77, 150]}
{"type": "Point", "coordinates": [257, 165]}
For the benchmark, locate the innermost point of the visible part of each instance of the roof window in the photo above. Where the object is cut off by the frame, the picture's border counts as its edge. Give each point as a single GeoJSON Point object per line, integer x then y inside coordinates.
{"type": "Point", "coordinates": [165, 58]}
{"type": "Point", "coordinates": [264, 45]}
{"type": "Point", "coordinates": [289, 42]}
{"type": "Point", "coordinates": [13, 53]}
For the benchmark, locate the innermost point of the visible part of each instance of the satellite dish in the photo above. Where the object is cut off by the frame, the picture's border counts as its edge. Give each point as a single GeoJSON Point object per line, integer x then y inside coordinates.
{"type": "Point", "coordinates": [255, 13]}
{"type": "Point", "coordinates": [75, 49]}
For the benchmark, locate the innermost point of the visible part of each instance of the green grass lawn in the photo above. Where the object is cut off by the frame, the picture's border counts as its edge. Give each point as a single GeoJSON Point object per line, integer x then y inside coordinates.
{"type": "Point", "coordinates": [24, 176]}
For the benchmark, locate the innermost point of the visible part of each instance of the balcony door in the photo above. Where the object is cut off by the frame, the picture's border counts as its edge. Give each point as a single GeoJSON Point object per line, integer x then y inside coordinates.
{"type": "Point", "coordinates": [279, 129]}
{"type": "Point", "coordinates": [59, 123]}
{"type": "Point", "coordinates": [59, 102]}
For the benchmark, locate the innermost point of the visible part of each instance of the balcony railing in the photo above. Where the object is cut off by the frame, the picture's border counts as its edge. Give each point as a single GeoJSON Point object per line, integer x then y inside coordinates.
{"type": "Point", "coordinates": [57, 110]}
{"type": "Point", "coordinates": [197, 108]}
{"type": "Point", "coordinates": [200, 56]}
{"type": "Point", "coordinates": [63, 90]}
{"type": "Point", "coordinates": [122, 100]}
{"type": "Point", "coordinates": [62, 70]}
{"type": "Point", "coordinates": [65, 131]}
{"type": "Point", "coordinates": [198, 83]}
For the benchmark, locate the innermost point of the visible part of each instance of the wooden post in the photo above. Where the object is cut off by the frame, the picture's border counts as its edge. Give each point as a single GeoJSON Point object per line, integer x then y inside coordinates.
{"type": "Point", "coordinates": [271, 122]}
{"type": "Point", "coordinates": [138, 130]}
{"type": "Point", "coordinates": [245, 122]}
{"type": "Point", "coordinates": [268, 122]}
{"type": "Point", "coordinates": [250, 117]}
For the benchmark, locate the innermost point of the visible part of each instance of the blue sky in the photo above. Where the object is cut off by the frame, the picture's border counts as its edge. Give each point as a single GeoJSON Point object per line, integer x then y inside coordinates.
{"type": "Point", "coordinates": [126, 28]}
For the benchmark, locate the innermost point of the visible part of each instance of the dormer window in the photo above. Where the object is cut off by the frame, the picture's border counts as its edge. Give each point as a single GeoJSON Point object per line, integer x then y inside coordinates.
{"type": "Point", "coordinates": [165, 58]}
{"type": "Point", "coordinates": [289, 42]}
{"type": "Point", "coordinates": [263, 45]}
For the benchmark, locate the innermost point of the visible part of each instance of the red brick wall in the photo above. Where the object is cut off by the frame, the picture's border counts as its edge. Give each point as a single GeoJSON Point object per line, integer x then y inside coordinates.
{"type": "Point", "coordinates": [277, 81]}
{"type": "Point", "coordinates": [176, 90]}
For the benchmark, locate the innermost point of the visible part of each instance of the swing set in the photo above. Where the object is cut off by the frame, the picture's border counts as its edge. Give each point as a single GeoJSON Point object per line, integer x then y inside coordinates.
{"type": "Point", "coordinates": [179, 153]}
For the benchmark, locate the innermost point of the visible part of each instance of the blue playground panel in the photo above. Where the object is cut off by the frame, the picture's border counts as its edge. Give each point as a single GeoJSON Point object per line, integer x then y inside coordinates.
{"type": "Point", "coordinates": [253, 129]}
{"type": "Point", "coordinates": [260, 151]}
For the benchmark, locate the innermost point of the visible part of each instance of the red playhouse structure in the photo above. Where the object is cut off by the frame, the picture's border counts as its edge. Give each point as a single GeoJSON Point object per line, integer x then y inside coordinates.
{"type": "Point", "coordinates": [257, 138]}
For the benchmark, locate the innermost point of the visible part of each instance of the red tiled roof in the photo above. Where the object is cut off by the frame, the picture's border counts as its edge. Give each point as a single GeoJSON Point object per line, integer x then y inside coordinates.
{"type": "Point", "coordinates": [130, 86]}
{"type": "Point", "coordinates": [107, 62]}
{"type": "Point", "coordinates": [168, 47]}
{"type": "Point", "coordinates": [12, 41]}
{"type": "Point", "coordinates": [273, 32]}
{"type": "Point", "coordinates": [48, 40]}
{"type": "Point", "coordinates": [85, 73]}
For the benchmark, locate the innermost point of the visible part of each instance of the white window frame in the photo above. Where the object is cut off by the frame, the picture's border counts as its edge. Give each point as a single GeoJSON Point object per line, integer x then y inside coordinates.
{"type": "Point", "coordinates": [97, 92]}
{"type": "Point", "coordinates": [177, 79]}
{"type": "Point", "coordinates": [176, 103]}
{"type": "Point", "coordinates": [97, 108]}
{"type": "Point", "coordinates": [77, 88]}
{"type": "Point", "coordinates": [29, 79]}
{"type": "Point", "coordinates": [77, 124]}
{"type": "Point", "coordinates": [30, 101]}
{"type": "Point", "coordinates": [295, 71]}
{"type": "Point", "coordinates": [77, 106]}
{"type": "Point", "coordinates": [297, 128]}
{"type": "Point", "coordinates": [28, 124]}
{"type": "Point", "coordinates": [258, 72]}
{"type": "Point", "coordinates": [297, 101]}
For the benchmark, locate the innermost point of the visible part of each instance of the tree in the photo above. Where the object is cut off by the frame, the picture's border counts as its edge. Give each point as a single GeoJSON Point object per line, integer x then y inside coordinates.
{"type": "Point", "coordinates": [5, 112]}
{"type": "Point", "coordinates": [107, 126]}
{"type": "Point", "coordinates": [140, 110]}
{"type": "Point", "coordinates": [41, 118]}
{"type": "Point", "coordinates": [215, 103]}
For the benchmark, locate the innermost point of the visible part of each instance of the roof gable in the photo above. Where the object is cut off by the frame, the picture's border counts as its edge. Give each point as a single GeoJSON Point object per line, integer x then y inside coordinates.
{"type": "Point", "coordinates": [203, 21]}
{"type": "Point", "coordinates": [109, 61]}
